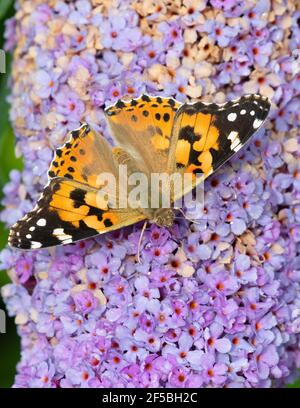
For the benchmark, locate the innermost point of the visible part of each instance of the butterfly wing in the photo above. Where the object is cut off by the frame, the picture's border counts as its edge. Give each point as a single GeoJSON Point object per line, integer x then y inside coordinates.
{"type": "Point", "coordinates": [83, 157]}
{"type": "Point", "coordinates": [206, 136]}
{"type": "Point", "coordinates": [143, 127]}
{"type": "Point", "coordinates": [70, 207]}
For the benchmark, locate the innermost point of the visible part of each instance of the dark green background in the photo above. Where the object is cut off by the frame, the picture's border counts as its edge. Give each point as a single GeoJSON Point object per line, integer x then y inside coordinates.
{"type": "Point", "coordinates": [9, 342]}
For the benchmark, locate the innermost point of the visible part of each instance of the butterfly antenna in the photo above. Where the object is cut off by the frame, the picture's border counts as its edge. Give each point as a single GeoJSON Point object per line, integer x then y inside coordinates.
{"type": "Point", "coordinates": [140, 241]}
{"type": "Point", "coordinates": [187, 218]}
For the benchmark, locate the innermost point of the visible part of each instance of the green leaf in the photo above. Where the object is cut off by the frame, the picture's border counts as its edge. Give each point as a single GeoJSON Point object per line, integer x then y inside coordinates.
{"type": "Point", "coordinates": [4, 8]}
{"type": "Point", "coordinates": [8, 159]}
{"type": "Point", "coordinates": [295, 385]}
{"type": "Point", "coordinates": [3, 235]}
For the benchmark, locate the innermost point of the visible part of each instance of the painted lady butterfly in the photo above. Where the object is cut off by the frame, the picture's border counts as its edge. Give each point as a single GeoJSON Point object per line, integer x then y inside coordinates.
{"type": "Point", "coordinates": [153, 135]}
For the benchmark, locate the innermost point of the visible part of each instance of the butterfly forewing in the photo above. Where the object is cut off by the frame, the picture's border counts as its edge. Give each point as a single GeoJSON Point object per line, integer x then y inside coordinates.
{"type": "Point", "coordinates": [70, 208]}
{"type": "Point", "coordinates": [206, 136]}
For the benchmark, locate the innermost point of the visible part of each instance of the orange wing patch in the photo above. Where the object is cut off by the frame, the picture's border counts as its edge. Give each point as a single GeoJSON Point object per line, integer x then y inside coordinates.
{"type": "Point", "coordinates": [86, 155]}
{"type": "Point", "coordinates": [196, 136]}
{"type": "Point", "coordinates": [153, 115]}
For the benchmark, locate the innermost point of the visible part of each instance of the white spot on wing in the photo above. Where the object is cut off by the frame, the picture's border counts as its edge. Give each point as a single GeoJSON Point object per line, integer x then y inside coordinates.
{"type": "Point", "coordinates": [243, 112]}
{"type": "Point", "coordinates": [31, 228]}
{"type": "Point", "coordinates": [35, 245]}
{"type": "Point", "coordinates": [60, 234]}
{"type": "Point", "coordinates": [257, 123]}
{"type": "Point", "coordinates": [41, 222]}
{"type": "Point", "coordinates": [58, 231]}
{"type": "Point", "coordinates": [237, 148]}
{"type": "Point", "coordinates": [28, 236]}
{"type": "Point", "coordinates": [235, 141]}
{"type": "Point", "coordinates": [64, 237]}
{"type": "Point", "coordinates": [252, 113]}
{"type": "Point", "coordinates": [232, 117]}
{"type": "Point", "coordinates": [232, 135]}
{"type": "Point", "coordinates": [68, 241]}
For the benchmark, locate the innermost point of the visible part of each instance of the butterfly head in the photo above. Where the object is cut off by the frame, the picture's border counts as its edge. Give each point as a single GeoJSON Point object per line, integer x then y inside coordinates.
{"type": "Point", "coordinates": [164, 217]}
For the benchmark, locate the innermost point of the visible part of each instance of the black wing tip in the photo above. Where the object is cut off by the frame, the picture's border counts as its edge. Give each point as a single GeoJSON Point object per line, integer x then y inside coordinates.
{"type": "Point", "coordinates": [16, 241]}
{"type": "Point", "coordinates": [191, 108]}
{"type": "Point", "coordinates": [261, 100]}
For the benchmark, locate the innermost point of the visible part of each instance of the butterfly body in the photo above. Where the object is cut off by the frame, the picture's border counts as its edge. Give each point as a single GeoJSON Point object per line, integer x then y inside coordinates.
{"type": "Point", "coordinates": [153, 135]}
{"type": "Point", "coordinates": [160, 216]}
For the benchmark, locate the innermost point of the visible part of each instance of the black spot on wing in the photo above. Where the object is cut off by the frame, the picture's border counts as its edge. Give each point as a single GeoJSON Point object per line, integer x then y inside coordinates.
{"type": "Point", "coordinates": [166, 117]}
{"type": "Point", "coordinates": [171, 102]}
{"type": "Point", "coordinates": [108, 223]}
{"type": "Point", "coordinates": [187, 133]}
{"type": "Point", "coordinates": [146, 98]}
{"type": "Point", "coordinates": [75, 134]}
{"type": "Point", "coordinates": [97, 212]}
{"type": "Point", "coordinates": [133, 102]}
{"type": "Point", "coordinates": [120, 104]}
{"type": "Point", "coordinates": [78, 196]}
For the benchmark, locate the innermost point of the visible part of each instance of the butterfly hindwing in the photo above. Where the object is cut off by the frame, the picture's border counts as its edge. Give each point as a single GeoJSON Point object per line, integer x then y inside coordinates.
{"type": "Point", "coordinates": [206, 136]}
{"type": "Point", "coordinates": [143, 128]}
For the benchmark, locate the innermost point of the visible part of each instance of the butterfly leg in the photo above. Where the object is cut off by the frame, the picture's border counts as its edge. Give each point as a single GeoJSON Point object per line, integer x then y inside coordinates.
{"type": "Point", "coordinates": [140, 241]}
